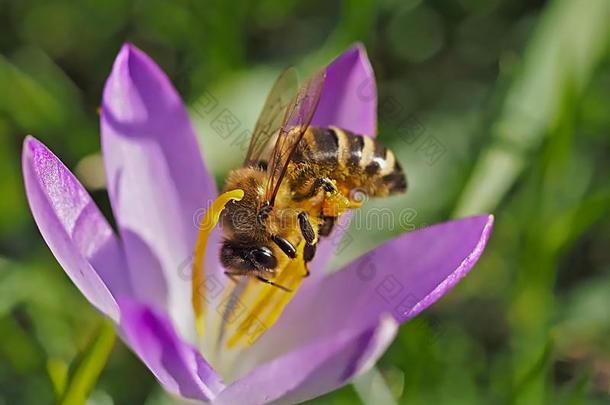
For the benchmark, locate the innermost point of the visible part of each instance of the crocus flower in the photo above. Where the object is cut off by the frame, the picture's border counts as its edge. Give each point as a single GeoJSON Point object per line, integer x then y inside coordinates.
{"type": "Point", "coordinates": [334, 327]}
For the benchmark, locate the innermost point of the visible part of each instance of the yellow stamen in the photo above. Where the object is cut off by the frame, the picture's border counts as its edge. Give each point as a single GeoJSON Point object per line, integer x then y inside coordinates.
{"type": "Point", "coordinates": [207, 225]}
{"type": "Point", "coordinates": [267, 302]}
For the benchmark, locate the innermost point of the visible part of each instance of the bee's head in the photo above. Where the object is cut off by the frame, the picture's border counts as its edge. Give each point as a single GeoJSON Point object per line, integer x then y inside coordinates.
{"type": "Point", "coordinates": [247, 257]}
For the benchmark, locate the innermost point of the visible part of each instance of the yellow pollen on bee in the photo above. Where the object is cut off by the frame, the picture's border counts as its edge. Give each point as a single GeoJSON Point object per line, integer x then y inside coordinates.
{"type": "Point", "coordinates": [335, 204]}
{"type": "Point", "coordinates": [207, 225]}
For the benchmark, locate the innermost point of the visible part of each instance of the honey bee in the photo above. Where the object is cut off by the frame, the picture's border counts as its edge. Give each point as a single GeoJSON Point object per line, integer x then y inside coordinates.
{"type": "Point", "coordinates": [297, 180]}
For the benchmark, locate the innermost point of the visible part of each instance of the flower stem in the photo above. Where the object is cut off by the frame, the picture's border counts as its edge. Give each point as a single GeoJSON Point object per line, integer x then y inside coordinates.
{"type": "Point", "coordinates": [89, 366]}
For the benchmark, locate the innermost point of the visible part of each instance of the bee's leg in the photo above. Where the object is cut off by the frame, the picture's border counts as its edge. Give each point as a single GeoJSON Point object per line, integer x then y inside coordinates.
{"type": "Point", "coordinates": [310, 239]}
{"type": "Point", "coordinates": [335, 203]}
{"type": "Point", "coordinates": [308, 254]}
{"type": "Point", "coordinates": [327, 225]}
{"type": "Point", "coordinates": [320, 183]}
{"type": "Point", "coordinates": [306, 229]}
{"type": "Point", "coordinates": [285, 245]}
{"type": "Point", "coordinates": [281, 287]}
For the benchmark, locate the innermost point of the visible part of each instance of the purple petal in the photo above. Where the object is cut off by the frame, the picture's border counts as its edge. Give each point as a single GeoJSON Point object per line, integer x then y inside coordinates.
{"type": "Point", "coordinates": [315, 369]}
{"type": "Point", "coordinates": [402, 277]}
{"type": "Point", "coordinates": [349, 96]}
{"type": "Point", "coordinates": [78, 235]}
{"type": "Point", "coordinates": [178, 366]}
{"type": "Point", "coordinates": [156, 179]}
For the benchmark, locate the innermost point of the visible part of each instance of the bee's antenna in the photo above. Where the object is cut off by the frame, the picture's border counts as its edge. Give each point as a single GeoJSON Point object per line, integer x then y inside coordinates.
{"type": "Point", "coordinates": [281, 287]}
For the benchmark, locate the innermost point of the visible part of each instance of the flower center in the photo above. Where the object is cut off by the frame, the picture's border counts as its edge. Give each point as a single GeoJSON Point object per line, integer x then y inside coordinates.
{"type": "Point", "coordinates": [244, 310]}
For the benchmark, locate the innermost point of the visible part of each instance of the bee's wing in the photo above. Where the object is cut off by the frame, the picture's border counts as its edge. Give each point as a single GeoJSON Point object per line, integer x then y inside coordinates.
{"type": "Point", "coordinates": [270, 118]}
{"type": "Point", "coordinates": [296, 120]}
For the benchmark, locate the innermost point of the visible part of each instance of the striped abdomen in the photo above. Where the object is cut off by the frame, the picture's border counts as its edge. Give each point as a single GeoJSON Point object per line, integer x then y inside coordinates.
{"type": "Point", "coordinates": [353, 161]}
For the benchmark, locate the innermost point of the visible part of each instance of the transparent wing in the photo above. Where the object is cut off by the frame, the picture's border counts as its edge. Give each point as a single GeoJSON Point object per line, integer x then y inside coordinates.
{"type": "Point", "coordinates": [270, 119]}
{"type": "Point", "coordinates": [296, 120]}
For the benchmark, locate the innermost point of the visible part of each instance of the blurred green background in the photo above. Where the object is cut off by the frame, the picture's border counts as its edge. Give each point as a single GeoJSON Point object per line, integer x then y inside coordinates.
{"type": "Point", "coordinates": [498, 106]}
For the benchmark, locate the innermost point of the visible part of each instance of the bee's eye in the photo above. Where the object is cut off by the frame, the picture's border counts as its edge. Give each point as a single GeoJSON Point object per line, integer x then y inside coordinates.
{"type": "Point", "coordinates": [264, 257]}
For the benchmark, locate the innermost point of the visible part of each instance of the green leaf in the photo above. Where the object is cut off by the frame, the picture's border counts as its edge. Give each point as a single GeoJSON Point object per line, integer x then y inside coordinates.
{"type": "Point", "coordinates": [89, 367]}
{"type": "Point", "coordinates": [58, 373]}
{"type": "Point", "coordinates": [565, 50]}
